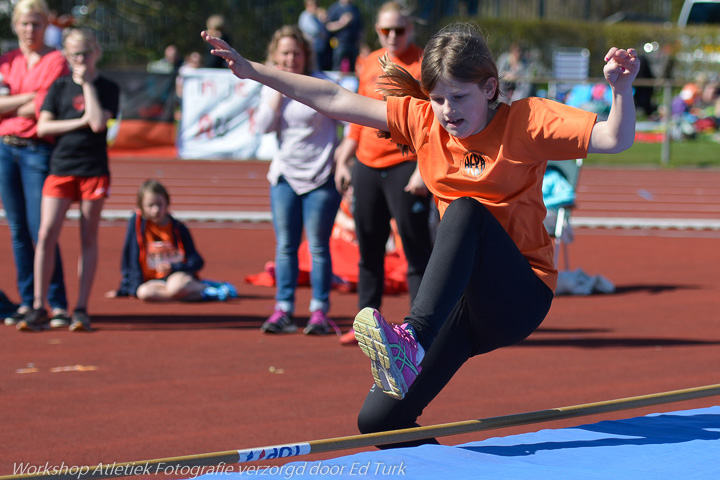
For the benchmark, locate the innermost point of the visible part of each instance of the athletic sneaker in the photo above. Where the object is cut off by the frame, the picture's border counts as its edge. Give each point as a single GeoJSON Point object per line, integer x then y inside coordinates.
{"type": "Point", "coordinates": [393, 350]}
{"type": "Point", "coordinates": [80, 322]}
{"type": "Point", "coordinates": [279, 322]}
{"type": "Point", "coordinates": [318, 324]}
{"type": "Point", "coordinates": [60, 320]}
{"type": "Point", "coordinates": [227, 291]}
{"type": "Point", "coordinates": [220, 291]}
{"type": "Point", "coordinates": [15, 318]}
{"type": "Point", "coordinates": [34, 321]}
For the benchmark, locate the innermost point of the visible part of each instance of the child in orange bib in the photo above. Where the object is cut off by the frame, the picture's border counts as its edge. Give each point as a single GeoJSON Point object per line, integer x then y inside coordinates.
{"type": "Point", "coordinates": [159, 260]}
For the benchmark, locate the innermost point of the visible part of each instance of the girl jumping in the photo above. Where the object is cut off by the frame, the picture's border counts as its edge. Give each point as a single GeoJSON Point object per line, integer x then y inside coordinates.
{"type": "Point", "coordinates": [491, 277]}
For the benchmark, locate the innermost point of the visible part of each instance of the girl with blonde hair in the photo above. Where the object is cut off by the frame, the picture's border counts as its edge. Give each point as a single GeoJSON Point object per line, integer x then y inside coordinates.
{"type": "Point", "coordinates": [27, 72]}
{"type": "Point", "coordinates": [75, 112]}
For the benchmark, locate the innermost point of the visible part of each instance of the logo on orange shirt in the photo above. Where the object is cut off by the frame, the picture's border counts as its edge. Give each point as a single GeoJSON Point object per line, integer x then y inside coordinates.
{"type": "Point", "coordinates": [473, 164]}
{"type": "Point", "coordinates": [159, 253]}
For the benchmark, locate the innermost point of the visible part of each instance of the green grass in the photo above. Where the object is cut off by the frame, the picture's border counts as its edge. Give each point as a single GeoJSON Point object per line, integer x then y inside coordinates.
{"type": "Point", "coordinates": [700, 152]}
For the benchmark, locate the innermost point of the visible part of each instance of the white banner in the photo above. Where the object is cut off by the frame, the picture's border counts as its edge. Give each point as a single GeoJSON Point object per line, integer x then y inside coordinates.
{"type": "Point", "coordinates": [217, 116]}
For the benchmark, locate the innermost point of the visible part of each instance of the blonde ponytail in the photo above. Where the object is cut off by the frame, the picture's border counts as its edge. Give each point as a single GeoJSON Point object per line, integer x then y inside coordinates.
{"type": "Point", "coordinates": [397, 82]}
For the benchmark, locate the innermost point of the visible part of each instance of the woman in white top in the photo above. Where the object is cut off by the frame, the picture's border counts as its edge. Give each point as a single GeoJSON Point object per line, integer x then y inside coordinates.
{"type": "Point", "coordinates": [302, 189]}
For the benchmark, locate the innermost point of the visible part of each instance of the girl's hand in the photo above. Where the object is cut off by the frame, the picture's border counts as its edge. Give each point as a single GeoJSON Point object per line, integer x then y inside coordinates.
{"type": "Point", "coordinates": [239, 65]}
{"type": "Point", "coordinates": [343, 172]}
{"type": "Point", "coordinates": [111, 294]}
{"type": "Point", "coordinates": [343, 175]}
{"type": "Point", "coordinates": [79, 73]}
{"type": "Point", "coordinates": [416, 186]}
{"type": "Point", "coordinates": [621, 68]}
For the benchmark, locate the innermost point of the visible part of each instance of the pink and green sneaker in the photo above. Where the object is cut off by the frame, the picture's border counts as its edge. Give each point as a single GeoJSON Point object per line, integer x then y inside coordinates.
{"type": "Point", "coordinates": [394, 352]}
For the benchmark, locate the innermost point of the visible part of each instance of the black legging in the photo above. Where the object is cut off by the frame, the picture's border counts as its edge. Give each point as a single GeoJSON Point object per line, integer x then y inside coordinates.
{"type": "Point", "coordinates": [379, 196]}
{"type": "Point", "coordinates": [478, 294]}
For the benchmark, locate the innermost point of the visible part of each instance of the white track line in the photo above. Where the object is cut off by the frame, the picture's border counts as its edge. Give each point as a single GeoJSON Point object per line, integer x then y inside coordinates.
{"type": "Point", "coordinates": [577, 222]}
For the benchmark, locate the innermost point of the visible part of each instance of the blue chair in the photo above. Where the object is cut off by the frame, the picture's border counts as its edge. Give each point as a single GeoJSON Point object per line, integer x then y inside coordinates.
{"type": "Point", "coordinates": [559, 193]}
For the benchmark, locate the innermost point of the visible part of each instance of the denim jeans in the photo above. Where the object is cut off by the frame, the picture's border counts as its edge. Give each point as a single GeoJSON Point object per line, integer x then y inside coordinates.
{"type": "Point", "coordinates": [315, 211]}
{"type": "Point", "coordinates": [22, 174]}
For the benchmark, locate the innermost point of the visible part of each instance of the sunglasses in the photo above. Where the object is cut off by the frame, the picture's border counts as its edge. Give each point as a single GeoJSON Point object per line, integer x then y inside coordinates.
{"type": "Point", "coordinates": [398, 31]}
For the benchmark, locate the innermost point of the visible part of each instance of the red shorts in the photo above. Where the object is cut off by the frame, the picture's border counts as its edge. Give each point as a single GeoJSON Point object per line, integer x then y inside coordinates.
{"type": "Point", "coordinates": [77, 188]}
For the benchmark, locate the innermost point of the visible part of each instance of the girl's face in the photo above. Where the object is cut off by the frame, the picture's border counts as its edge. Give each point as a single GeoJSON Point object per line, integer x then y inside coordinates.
{"type": "Point", "coordinates": [289, 56]}
{"type": "Point", "coordinates": [463, 109]}
{"type": "Point", "coordinates": [154, 208]}
{"type": "Point", "coordinates": [30, 30]}
{"type": "Point", "coordinates": [79, 53]}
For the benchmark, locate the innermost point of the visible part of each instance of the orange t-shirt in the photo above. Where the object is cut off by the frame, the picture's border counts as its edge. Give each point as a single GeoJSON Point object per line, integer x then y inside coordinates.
{"type": "Point", "coordinates": [159, 248]}
{"type": "Point", "coordinates": [502, 166]}
{"type": "Point", "coordinates": [373, 151]}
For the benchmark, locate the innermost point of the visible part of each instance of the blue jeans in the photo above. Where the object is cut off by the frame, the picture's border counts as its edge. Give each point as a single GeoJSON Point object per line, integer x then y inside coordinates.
{"type": "Point", "coordinates": [22, 174]}
{"type": "Point", "coordinates": [315, 211]}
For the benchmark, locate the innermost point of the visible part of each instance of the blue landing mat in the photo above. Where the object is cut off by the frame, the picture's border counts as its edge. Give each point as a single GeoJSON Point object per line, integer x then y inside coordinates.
{"type": "Point", "coordinates": [675, 445]}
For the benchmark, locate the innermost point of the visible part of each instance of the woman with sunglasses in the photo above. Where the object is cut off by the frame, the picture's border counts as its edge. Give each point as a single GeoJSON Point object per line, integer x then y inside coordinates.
{"type": "Point", "coordinates": [385, 182]}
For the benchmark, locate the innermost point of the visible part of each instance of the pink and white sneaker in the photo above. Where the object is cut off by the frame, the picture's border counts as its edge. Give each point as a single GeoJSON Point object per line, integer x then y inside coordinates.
{"type": "Point", "coordinates": [393, 350]}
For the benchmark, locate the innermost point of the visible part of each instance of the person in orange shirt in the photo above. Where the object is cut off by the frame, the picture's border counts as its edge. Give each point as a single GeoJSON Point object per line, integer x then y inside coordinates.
{"type": "Point", "coordinates": [490, 279]}
{"type": "Point", "coordinates": [386, 182]}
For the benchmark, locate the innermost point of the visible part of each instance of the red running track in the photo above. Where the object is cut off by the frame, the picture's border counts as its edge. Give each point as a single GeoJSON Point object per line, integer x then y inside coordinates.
{"type": "Point", "coordinates": [158, 381]}
{"type": "Point", "coordinates": [227, 187]}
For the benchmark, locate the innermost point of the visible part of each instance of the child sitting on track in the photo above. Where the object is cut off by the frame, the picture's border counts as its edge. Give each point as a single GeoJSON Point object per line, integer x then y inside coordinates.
{"type": "Point", "coordinates": [159, 261]}
{"type": "Point", "coordinates": [491, 275]}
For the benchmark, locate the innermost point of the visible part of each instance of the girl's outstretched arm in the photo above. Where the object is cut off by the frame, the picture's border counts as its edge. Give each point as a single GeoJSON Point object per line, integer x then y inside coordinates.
{"type": "Point", "coordinates": [617, 133]}
{"type": "Point", "coordinates": [326, 97]}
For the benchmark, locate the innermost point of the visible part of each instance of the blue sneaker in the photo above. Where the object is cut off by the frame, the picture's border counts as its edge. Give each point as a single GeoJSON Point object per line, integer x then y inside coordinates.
{"type": "Point", "coordinates": [227, 291]}
{"type": "Point", "coordinates": [219, 291]}
{"type": "Point", "coordinates": [393, 350]}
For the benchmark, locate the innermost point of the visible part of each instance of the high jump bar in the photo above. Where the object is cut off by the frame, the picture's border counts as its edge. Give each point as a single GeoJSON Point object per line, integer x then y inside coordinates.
{"type": "Point", "coordinates": [174, 464]}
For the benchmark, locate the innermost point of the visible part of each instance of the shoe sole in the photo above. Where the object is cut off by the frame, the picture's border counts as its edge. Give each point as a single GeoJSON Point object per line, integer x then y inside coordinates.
{"type": "Point", "coordinates": [373, 343]}
{"type": "Point", "coordinates": [59, 323]}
